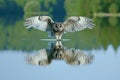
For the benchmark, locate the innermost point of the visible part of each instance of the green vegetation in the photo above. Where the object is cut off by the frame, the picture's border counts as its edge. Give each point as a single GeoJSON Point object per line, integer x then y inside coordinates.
{"type": "Point", "coordinates": [104, 12]}
{"type": "Point", "coordinates": [33, 7]}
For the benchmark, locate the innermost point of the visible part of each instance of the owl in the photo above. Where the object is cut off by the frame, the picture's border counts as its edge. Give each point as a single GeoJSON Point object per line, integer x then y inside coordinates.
{"type": "Point", "coordinates": [57, 29]}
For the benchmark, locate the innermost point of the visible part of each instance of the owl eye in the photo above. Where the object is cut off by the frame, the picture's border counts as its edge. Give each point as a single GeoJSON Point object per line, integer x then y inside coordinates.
{"type": "Point", "coordinates": [60, 25]}
{"type": "Point", "coordinates": [56, 25]}
{"type": "Point", "coordinates": [55, 55]}
{"type": "Point", "coordinates": [60, 55]}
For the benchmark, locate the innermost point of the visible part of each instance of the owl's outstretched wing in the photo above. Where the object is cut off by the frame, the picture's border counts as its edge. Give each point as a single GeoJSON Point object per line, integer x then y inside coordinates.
{"type": "Point", "coordinates": [39, 58]}
{"type": "Point", "coordinates": [76, 57]}
{"type": "Point", "coordinates": [39, 22]}
{"type": "Point", "coordinates": [75, 23]}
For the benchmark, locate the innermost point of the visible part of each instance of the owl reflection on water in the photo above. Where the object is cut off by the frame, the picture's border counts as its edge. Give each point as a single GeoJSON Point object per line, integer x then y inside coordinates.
{"type": "Point", "coordinates": [56, 51]}
{"type": "Point", "coordinates": [57, 29]}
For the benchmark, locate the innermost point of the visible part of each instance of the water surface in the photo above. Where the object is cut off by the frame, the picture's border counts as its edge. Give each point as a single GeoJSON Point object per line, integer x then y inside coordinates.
{"type": "Point", "coordinates": [105, 66]}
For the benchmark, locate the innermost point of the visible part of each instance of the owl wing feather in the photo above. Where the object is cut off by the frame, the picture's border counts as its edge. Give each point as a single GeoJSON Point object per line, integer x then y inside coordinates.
{"type": "Point", "coordinates": [38, 58]}
{"type": "Point", "coordinates": [76, 56]}
{"type": "Point", "coordinates": [75, 23]}
{"type": "Point", "coordinates": [39, 22]}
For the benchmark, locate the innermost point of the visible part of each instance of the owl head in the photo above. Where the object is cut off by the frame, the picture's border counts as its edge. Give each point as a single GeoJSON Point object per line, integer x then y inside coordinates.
{"type": "Point", "coordinates": [58, 26]}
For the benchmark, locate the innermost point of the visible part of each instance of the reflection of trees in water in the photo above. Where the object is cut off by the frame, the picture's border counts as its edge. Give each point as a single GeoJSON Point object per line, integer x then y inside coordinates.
{"type": "Point", "coordinates": [10, 12]}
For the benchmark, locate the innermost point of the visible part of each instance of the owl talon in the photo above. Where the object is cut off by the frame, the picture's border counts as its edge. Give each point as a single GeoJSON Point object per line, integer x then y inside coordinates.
{"type": "Point", "coordinates": [59, 40]}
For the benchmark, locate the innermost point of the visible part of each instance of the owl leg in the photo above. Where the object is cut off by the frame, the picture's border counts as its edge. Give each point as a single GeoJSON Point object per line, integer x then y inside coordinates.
{"type": "Point", "coordinates": [57, 37]}
{"type": "Point", "coordinates": [60, 36]}
{"type": "Point", "coordinates": [59, 43]}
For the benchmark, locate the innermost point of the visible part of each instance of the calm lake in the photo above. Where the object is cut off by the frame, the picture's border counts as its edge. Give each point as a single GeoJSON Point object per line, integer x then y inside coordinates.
{"type": "Point", "coordinates": [29, 54]}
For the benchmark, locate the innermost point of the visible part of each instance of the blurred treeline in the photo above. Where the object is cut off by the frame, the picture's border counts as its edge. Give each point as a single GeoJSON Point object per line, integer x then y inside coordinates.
{"type": "Point", "coordinates": [13, 35]}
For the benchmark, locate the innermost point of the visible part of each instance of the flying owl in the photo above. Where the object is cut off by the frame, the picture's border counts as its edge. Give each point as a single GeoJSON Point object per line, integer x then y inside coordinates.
{"type": "Point", "coordinates": [56, 29]}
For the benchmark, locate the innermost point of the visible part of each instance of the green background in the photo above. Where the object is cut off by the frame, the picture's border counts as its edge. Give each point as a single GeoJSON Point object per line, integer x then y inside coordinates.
{"type": "Point", "coordinates": [105, 13]}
